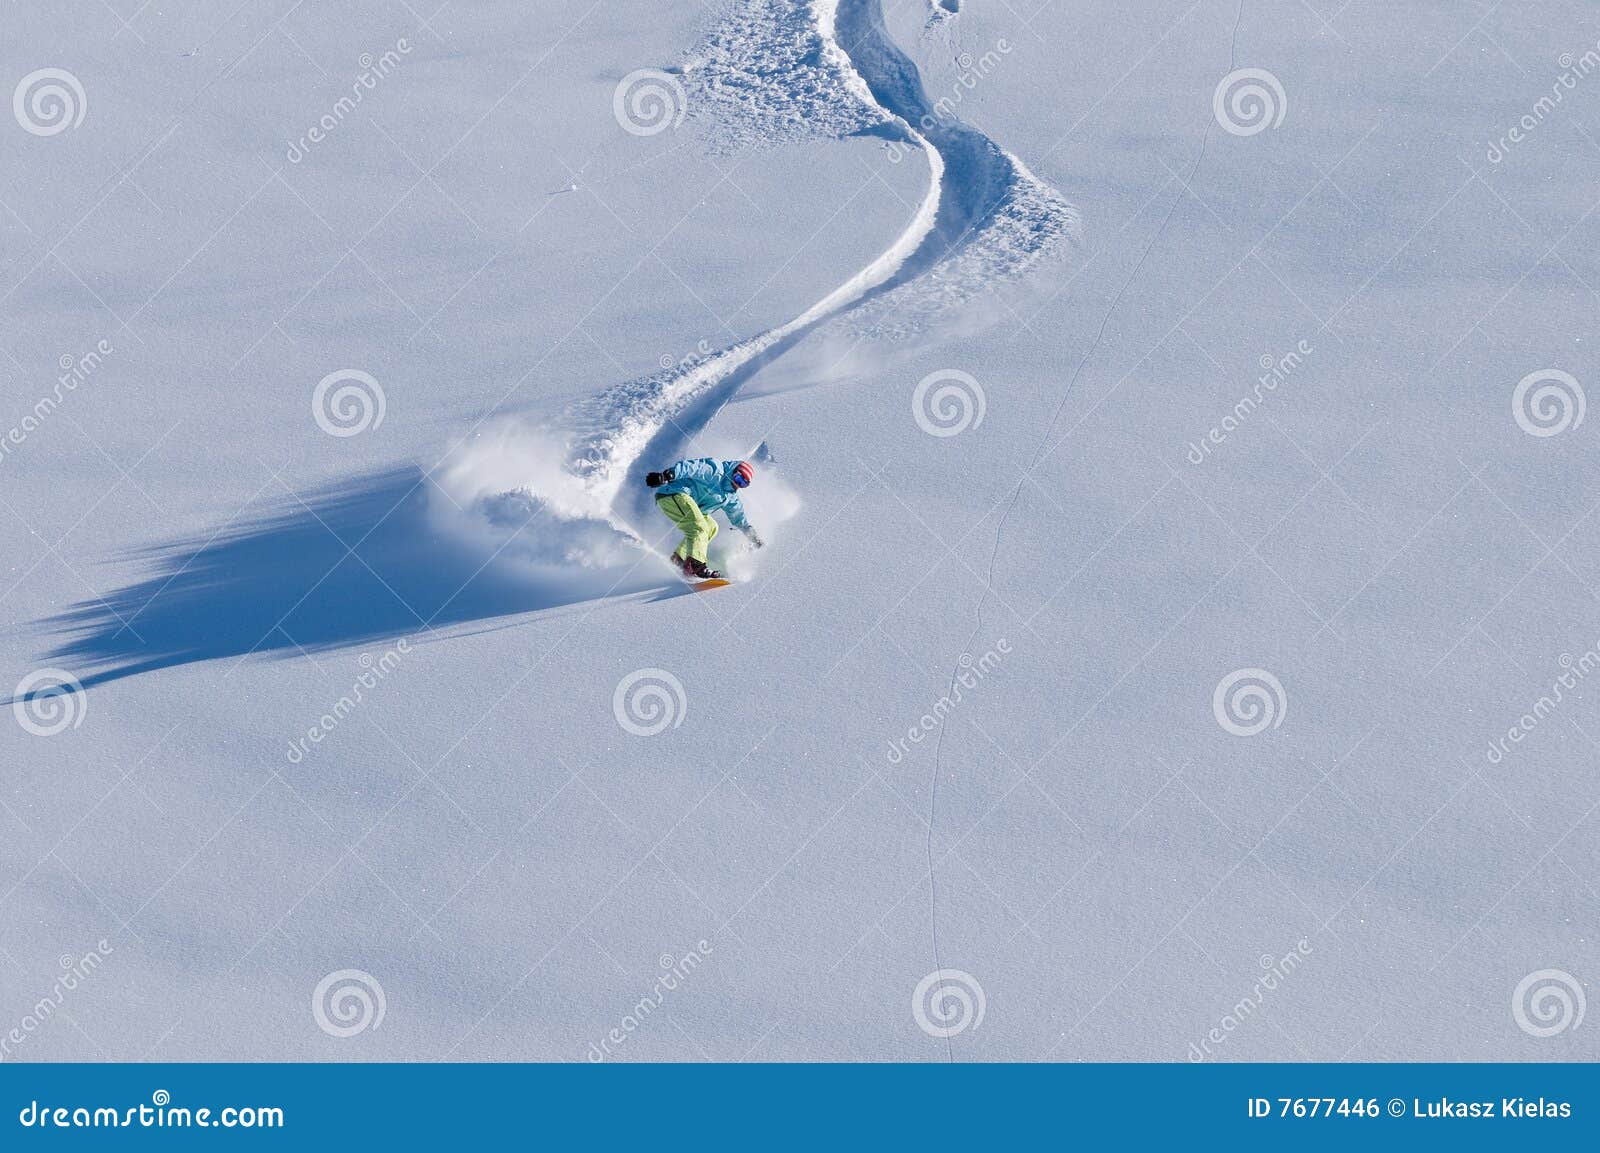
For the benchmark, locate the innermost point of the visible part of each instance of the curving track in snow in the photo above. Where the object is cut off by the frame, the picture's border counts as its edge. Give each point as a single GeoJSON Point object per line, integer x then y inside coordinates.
{"type": "Point", "coordinates": [984, 219]}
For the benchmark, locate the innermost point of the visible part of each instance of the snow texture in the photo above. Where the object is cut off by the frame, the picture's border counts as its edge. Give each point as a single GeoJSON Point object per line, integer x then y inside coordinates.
{"type": "Point", "coordinates": [1178, 620]}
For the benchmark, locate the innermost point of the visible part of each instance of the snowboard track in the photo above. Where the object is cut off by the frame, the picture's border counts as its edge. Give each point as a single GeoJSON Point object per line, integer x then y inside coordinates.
{"type": "Point", "coordinates": [775, 71]}
{"type": "Point", "coordinates": [984, 219]}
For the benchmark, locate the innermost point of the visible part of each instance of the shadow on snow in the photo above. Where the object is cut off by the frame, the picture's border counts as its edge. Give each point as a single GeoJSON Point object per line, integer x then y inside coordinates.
{"type": "Point", "coordinates": [354, 563]}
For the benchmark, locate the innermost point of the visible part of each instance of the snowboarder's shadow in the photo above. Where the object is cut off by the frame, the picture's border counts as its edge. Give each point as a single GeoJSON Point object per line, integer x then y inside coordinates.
{"type": "Point", "coordinates": [354, 563]}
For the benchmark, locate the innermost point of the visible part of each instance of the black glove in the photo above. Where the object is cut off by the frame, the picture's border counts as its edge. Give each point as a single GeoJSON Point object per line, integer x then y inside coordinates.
{"type": "Point", "coordinates": [657, 479]}
{"type": "Point", "coordinates": [754, 538]}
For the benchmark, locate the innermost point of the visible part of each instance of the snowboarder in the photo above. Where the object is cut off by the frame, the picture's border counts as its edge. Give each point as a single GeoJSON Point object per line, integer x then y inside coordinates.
{"type": "Point", "coordinates": [689, 492]}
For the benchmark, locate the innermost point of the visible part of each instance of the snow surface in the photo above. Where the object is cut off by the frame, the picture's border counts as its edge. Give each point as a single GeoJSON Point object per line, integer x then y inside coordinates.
{"type": "Point", "coordinates": [1032, 233]}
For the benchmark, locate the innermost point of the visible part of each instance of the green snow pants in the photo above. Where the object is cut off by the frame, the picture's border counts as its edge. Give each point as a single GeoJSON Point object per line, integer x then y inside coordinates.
{"type": "Point", "coordinates": [696, 526]}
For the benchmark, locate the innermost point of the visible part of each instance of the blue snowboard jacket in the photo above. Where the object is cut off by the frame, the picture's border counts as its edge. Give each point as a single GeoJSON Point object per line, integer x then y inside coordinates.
{"type": "Point", "coordinates": [709, 484]}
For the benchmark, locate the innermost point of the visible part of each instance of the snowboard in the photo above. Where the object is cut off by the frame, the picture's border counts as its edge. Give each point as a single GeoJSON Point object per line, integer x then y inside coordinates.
{"type": "Point", "coordinates": [713, 583]}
